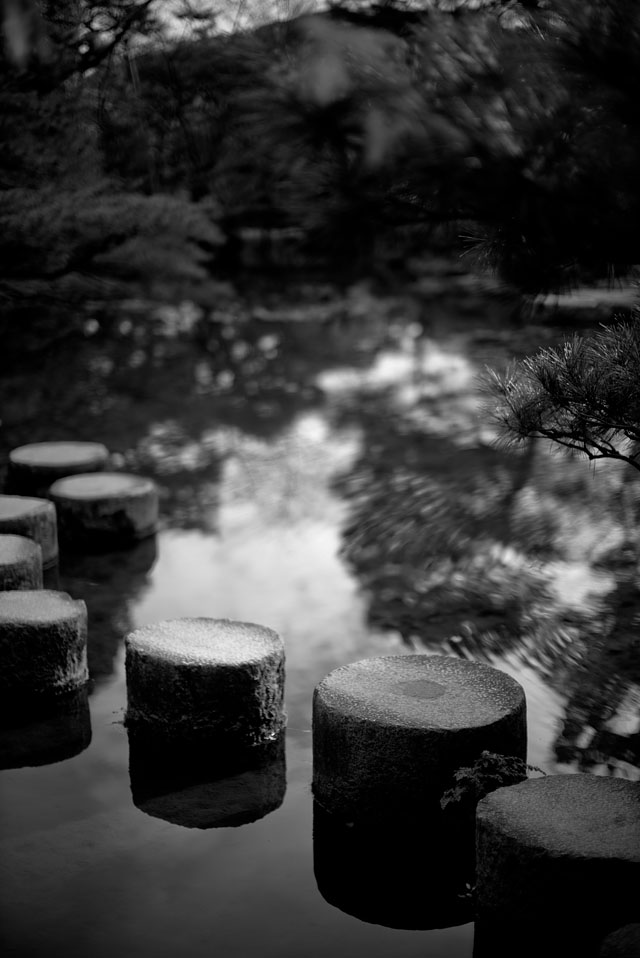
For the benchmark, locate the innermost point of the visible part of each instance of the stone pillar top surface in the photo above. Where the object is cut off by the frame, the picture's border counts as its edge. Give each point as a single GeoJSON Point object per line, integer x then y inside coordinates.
{"type": "Point", "coordinates": [580, 815]}
{"type": "Point", "coordinates": [206, 641]}
{"type": "Point", "coordinates": [421, 691]}
{"type": "Point", "coordinates": [14, 506]}
{"type": "Point", "coordinates": [15, 548]}
{"type": "Point", "coordinates": [101, 485]}
{"type": "Point", "coordinates": [36, 605]}
{"type": "Point", "coordinates": [53, 454]}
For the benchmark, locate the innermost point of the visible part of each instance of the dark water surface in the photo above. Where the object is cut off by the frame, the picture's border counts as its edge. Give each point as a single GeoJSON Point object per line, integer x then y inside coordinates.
{"type": "Point", "coordinates": [333, 478]}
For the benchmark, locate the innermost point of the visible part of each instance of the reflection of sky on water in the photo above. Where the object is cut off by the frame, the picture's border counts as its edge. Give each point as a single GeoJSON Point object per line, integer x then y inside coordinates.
{"type": "Point", "coordinates": [274, 558]}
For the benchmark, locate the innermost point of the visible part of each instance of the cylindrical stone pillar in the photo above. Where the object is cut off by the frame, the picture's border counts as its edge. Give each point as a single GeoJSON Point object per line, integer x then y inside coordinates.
{"type": "Point", "coordinates": [33, 518]}
{"type": "Point", "coordinates": [389, 733]}
{"type": "Point", "coordinates": [34, 467]}
{"type": "Point", "coordinates": [557, 859]}
{"type": "Point", "coordinates": [20, 563]}
{"type": "Point", "coordinates": [200, 680]}
{"type": "Point", "coordinates": [105, 509]}
{"type": "Point", "coordinates": [43, 648]}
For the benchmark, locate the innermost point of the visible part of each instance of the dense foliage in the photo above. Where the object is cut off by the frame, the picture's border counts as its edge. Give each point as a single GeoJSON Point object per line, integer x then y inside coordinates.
{"type": "Point", "coordinates": [510, 128]}
{"type": "Point", "coordinates": [583, 396]}
{"type": "Point", "coordinates": [70, 231]}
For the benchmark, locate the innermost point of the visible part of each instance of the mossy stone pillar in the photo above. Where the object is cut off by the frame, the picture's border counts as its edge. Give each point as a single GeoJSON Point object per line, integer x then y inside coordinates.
{"type": "Point", "coordinates": [193, 681]}
{"type": "Point", "coordinates": [105, 509]}
{"type": "Point", "coordinates": [557, 860]}
{"type": "Point", "coordinates": [43, 648]}
{"type": "Point", "coordinates": [389, 733]}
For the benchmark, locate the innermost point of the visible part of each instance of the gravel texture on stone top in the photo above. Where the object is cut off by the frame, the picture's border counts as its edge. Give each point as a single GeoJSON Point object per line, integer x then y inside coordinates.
{"type": "Point", "coordinates": [36, 605]}
{"type": "Point", "coordinates": [203, 640]}
{"type": "Point", "coordinates": [17, 549]}
{"type": "Point", "coordinates": [58, 453]}
{"type": "Point", "coordinates": [13, 506]}
{"type": "Point", "coordinates": [576, 815]}
{"type": "Point", "coordinates": [421, 691]}
{"type": "Point", "coordinates": [101, 485]}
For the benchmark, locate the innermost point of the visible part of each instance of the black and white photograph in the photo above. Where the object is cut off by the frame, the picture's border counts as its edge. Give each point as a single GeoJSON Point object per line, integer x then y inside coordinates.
{"type": "Point", "coordinates": [320, 478]}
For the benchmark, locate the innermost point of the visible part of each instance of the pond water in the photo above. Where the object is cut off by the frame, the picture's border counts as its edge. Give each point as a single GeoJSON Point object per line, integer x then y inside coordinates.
{"type": "Point", "coordinates": [332, 475]}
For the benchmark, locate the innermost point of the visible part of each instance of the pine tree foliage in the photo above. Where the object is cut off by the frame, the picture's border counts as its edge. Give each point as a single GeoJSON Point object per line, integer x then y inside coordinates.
{"type": "Point", "coordinates": [70, 231]}
{"type": "Point", "coordinates": [583, 395]}
{"type": "Point", "coordinates": [101, 239]}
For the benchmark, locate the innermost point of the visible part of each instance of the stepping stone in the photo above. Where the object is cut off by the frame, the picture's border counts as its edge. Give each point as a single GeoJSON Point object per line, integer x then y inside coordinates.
{"type": "Point", "coordinates": [622, 943]}
{"type": "Point", "coordinates": [32, 468]}
{"type": "Point", "coordinates": [206, 680]}
{"type": "Point", "coordinates": [33, 518]}
{"type": "Point", "coordinates": [389, 733]}
{"type": "Point", "coordinates": [46, 739]}
{"type": "Point", "coordinates": [106, 509]}
{"type": "Point", "coordinates": [20, 563]}
{"type": "Point", "coordinates": [198, 793]}
{"type": "Point", "coordinates": [559, 859]}
{"type": "Point", "coordinates": [43, 647]}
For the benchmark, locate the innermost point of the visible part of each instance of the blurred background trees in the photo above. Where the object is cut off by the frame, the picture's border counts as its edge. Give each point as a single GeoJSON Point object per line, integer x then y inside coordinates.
{"type": "Point", "coordinates": [148, 144]}
{"type": "Point", "coordinates": [71, 231]}
{"type": "Point", "coordinates": [505, 129]}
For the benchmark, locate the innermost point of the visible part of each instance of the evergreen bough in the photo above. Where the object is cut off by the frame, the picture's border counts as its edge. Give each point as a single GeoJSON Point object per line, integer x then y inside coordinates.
{"type": "Point", "coordinates": [583, 395]}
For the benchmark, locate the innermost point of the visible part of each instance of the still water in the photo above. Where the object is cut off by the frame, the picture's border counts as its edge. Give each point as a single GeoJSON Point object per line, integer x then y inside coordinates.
{"type": "Point", "coordinates": [333, 477]}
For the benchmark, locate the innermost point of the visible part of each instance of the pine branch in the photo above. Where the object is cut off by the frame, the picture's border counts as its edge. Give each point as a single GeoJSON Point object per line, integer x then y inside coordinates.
{"type": "Point", "coordinates": [584, 395]}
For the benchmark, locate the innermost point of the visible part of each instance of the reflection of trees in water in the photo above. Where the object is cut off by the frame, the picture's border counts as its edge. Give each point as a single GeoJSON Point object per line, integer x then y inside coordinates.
{"type": "Point", "coordinates": [154, 392]}
{"type": "Point", "coordinates": [602, 677]}
{"type": "Point", "coordinates": [452, 546]}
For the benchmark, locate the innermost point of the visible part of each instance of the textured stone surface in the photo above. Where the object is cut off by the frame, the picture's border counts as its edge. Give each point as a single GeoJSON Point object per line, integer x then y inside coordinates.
{"type": "Point", "coordinates": [20, 563]}
{"type": "Point", "coordinates": [622, 943]}
{"type": "Point", "coordinates": [560, 856]}
{"type": "Point", "coordinates": [34, 518]}
{"type": "Point", "coordinates": [105, 506]}
{"type": "Point", "coordinates": [389, 732]}
{"type": "Point", "coordinates": [32, 468]}
{"type": "Point", "coordinates": [209, 678]}
{"type": "Point", "coordinates": [43, 645]}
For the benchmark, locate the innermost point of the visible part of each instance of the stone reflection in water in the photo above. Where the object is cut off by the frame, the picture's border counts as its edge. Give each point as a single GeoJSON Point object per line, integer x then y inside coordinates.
{"type": "Point", "coordinates": [109, 583]}
{"type": "Point", "coordinates": [197, 788]}
{"type": "Point", "coordinates": [397, 876]}
{"type": "Point", "coordinates": [44, 739]}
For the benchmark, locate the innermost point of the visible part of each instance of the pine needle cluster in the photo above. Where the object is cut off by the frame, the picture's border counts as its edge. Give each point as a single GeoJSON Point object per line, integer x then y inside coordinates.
{"type": "Point", "coordinates": [583, 395]}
